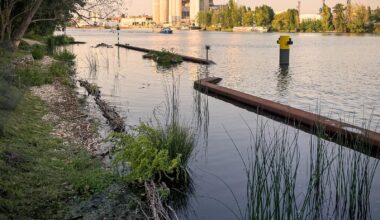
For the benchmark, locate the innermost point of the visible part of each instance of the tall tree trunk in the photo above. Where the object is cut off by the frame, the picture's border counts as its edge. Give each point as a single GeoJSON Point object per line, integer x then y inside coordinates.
{"type": "Point", "coordinates": [20, 31]}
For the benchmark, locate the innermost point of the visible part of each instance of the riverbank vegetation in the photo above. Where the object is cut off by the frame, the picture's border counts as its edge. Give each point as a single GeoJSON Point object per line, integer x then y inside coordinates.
{"type": "Point", "coordinates": [332, 182]}
{"type": "Point", "coordinates": [156, 155]}
{"type": "Point", "coordinates": [164, 58]}
{"type": "Point", "coordinates": [352, 18]}
{"type": "Point", "coordinates": [40, 175]}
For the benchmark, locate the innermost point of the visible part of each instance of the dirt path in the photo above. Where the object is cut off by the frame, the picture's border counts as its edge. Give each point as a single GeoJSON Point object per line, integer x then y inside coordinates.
{"type": "Point", "coordinates": [32, 42]}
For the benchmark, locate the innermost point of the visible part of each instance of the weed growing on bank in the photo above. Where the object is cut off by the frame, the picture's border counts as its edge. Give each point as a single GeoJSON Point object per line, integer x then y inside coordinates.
{"type": "Point", "coordinates": [36, 75]}
{"type": "Point", "coordinates": [64, 55]}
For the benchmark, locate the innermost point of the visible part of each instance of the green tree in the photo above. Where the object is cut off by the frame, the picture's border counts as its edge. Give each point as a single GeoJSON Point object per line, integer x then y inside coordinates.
{"type": "Point", "coordinates": [53, 13]}
{"type": "Point", "coordinates": [311, 25]}
{"type": "Point", "coordinates": [339, 20]}
{"type": "Point", "coordinates": [286, 21]}
{"type": "Point", "coordinates": [235, 12]}
{"type": "Point", "coordinates": [280, 22]}
{"type": "Point", "coordinates": [293, 19]}
{"type": "Point", "coordinates": [264, 15]}
{"type": "Point", "coordinates": [17, 16]}
{"type": "Point", "coordinates": [375, 15]}
{"type": "Point", "coordinates": [327, 18]}
{"type": "Point", "coordinates": [215, 18]}
{"type": "Point", "coordinates": [359, 22]}
{"type": "Point", "coordinates": [248, 18]}
{"type": "Point", "coordinates": [204, 18]}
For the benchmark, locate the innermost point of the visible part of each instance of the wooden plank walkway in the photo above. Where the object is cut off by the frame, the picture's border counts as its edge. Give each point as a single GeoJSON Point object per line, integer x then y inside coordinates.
{"type": "Point", "coordinates": [331, 127]}
{"type": "Point", "coordinates": [185, 58]}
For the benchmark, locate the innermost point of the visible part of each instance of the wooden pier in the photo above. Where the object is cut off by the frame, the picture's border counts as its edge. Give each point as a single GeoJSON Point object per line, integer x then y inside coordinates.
{"type": "Point", "coordinates": [332, 128]}
{"type": "Point", "coordinates": [185, 58]}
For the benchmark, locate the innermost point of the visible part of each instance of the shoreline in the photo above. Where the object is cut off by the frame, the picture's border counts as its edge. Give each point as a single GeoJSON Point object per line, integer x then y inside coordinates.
{"type": "Point", "coordinates": [222, 31]}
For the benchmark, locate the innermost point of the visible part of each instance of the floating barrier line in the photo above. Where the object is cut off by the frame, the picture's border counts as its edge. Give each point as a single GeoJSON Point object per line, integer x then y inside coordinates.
{"type": "Point", "coordinates": [185, 58]}
{"type": "Point", "coordinates": [330, 126]}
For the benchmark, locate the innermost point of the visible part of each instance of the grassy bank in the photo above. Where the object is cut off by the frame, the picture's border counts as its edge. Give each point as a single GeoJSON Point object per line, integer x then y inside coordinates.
{"type": "Point", "coordinates": [41, 177]}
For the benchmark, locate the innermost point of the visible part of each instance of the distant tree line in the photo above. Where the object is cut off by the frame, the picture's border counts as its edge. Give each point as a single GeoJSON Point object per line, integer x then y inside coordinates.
{"type": "Point", "coordinates": [352, 18]}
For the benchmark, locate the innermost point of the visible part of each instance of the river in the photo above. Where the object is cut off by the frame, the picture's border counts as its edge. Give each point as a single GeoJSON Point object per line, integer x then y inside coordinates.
{"type": "Point", "coordinates": [333, 75]}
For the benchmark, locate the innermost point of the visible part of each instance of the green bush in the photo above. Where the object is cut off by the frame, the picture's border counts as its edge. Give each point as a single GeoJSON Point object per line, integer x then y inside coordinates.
{"type": "Point", "coordinates": [9, 96]}
{"type": "Point", "coordinates": [24, 46]}
{"type": "Point", "coordinates": [36, 76]}
{"type": "Point", "coordinates": [64, 55]}
{"type": "Point", "coordinates": [59, 69]}
{"type": "Point", "coordinates": [142, 158]}
{"type": "Point", "coordinates": [38, 52]}
{"type": "Point", "coordinates": [60, 40]}
{"type": "Point", "coordinates": [33, 36]}
{"type": "Point", "coordinates": [33, 76]}
{"type": "Point", "coordinates": [154, 152]}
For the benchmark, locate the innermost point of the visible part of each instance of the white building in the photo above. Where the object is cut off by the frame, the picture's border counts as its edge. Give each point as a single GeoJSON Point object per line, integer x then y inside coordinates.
{"type": "Point", "coordinates": [173, 11]}
{"type": "Point", "coordinates": [304, 17]}
{"type": "Point", "coordinates": [136, 21]}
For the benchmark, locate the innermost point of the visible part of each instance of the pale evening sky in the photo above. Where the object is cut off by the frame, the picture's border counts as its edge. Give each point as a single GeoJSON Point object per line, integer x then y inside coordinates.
{"type": "Point", "coordinates": [138, 7]}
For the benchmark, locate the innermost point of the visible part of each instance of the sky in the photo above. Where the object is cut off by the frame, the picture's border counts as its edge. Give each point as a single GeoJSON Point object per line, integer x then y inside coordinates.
{"type": "Point", "coordinates": [138, 7]}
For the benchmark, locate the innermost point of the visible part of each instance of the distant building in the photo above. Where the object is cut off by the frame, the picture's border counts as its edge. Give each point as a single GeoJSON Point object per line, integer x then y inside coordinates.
{"type": "Point", "coordinates": [216, 7]}
{"type": "Point", "coordinates": [177, 11]}
{"type": "Point", "coordinates": [304, 17]}
{"type": "Point", "coordinates": [136, 21]}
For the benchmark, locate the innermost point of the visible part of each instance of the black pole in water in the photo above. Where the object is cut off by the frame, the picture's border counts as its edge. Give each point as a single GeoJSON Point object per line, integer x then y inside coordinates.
{"type": "Point", "coordinates": [284, 41]}
{"type": "Point", "coordinates": [207, 49]}
{"type": "Point", "coordinates": [118, 34]}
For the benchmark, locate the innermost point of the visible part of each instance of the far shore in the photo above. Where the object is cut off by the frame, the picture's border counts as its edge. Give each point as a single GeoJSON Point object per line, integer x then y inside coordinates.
{"type": "Point", "coordinates": [157, 29]}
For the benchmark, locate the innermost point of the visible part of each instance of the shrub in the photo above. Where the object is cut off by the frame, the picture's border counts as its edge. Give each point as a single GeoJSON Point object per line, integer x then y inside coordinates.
{"type": "Point", "coordinates": [34, 36]}
{"type": "Point", "coordinates": [164, 58]}
{"type": "Point", "coordinates": [33, 76]}
{"type": "Point", "coordinates": [152, 152]}
{"type": "Point", "coordinates": [24, 46]}
{"type": "Point", "coordinates": [59, 69]}
{"type": "Point", "coordinates": [64, 55]}
{"type": "Point", "coordinates": [36, 76]}
{"type": "Point", "coordinates": [9, 96]}
{"type": "Point", "coordinates": [59, 40]}
{"type": "Point", "coordinates": [38, 52]}
{"type": "Point", "coordinates": [139, 155]}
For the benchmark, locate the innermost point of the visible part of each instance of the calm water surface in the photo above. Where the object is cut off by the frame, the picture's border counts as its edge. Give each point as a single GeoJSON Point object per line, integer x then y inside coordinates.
{"type": "Point", "coordinates": [337, 76]}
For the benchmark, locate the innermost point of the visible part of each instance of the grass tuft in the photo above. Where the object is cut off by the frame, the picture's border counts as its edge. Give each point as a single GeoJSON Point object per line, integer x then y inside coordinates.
{"type": "Point", "coordinates": [164, 58]}
{"type": "Point", "coordinates": [38, 52]}
{"type": "Point", "coordinates": [64, 55]}
{"type": "Point", "coordinates": [35, 75]}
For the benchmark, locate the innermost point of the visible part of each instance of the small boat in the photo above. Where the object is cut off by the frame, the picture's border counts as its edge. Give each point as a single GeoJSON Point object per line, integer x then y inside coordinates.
{"type": "Point", "coordinates": [166, 31]}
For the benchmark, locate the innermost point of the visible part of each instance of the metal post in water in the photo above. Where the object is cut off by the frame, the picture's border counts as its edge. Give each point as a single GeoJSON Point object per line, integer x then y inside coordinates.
{"type": "Point", "coordinates": [207, 49]}
{"type": "Point", "coordinates": [118, 34]}
{"type": "Point", "coordinates": [284, 41]}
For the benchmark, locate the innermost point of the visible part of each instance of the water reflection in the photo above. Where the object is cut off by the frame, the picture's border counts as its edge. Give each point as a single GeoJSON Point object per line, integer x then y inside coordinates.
{"type": "Point", "coordinates": [283, 80]}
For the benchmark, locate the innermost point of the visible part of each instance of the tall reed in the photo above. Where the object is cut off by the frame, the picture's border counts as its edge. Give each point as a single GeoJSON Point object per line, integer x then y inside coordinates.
{"type": "Point", "coordinates": [92, 62]}
{"type": "Point", "coordinates": [336, 181]}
